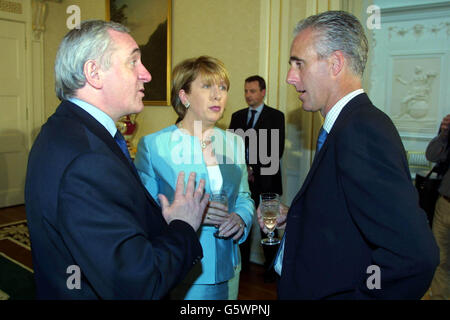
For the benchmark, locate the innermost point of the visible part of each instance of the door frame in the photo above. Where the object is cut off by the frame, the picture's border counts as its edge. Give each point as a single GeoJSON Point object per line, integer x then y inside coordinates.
{"type": "Point", "coordinates": [24, 11]}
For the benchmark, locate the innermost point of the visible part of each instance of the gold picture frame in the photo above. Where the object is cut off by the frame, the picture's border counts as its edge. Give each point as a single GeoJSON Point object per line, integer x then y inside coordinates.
{"type": "Point", "coordinates": [150, 24]}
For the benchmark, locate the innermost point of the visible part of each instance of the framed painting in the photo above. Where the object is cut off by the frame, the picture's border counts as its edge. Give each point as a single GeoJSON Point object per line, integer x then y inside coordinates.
{"type": "Point", "coordinates": [149, 22]}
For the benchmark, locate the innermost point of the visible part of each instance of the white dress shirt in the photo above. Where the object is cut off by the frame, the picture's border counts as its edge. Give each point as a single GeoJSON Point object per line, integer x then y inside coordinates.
{"type": "Point", "coordinates": [257, 114]}
{"type": "Point", "coordinates": [98, 115]}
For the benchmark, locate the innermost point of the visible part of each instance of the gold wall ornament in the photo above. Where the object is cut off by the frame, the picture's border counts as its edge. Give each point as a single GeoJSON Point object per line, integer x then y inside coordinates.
{"type": "Point", "coordinates": [40, 16]}
{"type": "Point", "coordinates": [127, 126]}
{"type": "Point", "coordinates": [11, 7]}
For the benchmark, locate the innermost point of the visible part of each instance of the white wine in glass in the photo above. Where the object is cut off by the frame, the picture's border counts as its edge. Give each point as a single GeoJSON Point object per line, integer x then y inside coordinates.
{"type": "Point", "coordinates": [270, 209]}
{"type": "Point", "coordinates": [270, 220]}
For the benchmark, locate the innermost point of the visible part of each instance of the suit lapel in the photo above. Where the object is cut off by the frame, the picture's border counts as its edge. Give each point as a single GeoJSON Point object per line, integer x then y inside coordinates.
{"type": "Point", "coordinates": [95, 127]}
{"type": "Point", "coordinates": [100, 131]}
{"type": "Point", "coordinates": [245, 118]}
{"type": "Point", "coordinates": [318, 158]}
{"type": "Point", "coordinates": [261, 118]}
{"type": "Point", "coordinates": [340, 121]}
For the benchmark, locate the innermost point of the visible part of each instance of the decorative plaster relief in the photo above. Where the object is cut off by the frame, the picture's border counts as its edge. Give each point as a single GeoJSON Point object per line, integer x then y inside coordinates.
{"type": "Point", "coordinates": [39, 16]}
{"type": "Point", "coordinates": [415, 93]}
{"type": "Point", "coordinates": [418, 30]}
{"type": "Point", "coordinates": [11, 7]}
{"type": "Point", "coordinates": [417, 100]}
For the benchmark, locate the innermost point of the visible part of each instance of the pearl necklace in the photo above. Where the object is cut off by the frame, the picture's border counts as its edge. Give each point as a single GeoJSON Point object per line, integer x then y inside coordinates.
{"type": "Point", "coordinates": [203, 142]}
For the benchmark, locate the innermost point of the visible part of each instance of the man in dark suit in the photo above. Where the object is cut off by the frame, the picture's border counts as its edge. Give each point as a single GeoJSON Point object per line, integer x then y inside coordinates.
{"type": "Point", "coordinates": [95, 231]}
{"type": "Point", "coordinates": [262, 128]}
{"type": "Point", "coordinates": [355, 229]}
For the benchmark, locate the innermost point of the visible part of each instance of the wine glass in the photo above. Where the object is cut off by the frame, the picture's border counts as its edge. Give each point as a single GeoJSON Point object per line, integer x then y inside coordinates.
{"type": "Point", "coordinates": [220, 197]}
{"type": "Point", "coordinates": [270, 209]}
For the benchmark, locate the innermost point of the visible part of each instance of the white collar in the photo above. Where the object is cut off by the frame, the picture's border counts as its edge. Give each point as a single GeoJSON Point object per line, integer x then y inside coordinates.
{"type": "Point", "coordinates": [258, 109]}
{"type": "Point", "coordinates": [98, 115]}
{"type": "Point", "coordinates": [334, 112]}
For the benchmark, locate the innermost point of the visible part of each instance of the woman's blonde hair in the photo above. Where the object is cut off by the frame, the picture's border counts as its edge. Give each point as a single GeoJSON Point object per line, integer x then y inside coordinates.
{"type": "Point", "coordinates": [212, 70]}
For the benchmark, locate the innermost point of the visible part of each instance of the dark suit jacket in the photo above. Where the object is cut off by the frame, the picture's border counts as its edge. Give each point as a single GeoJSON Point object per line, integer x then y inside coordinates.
{"type": "Point", "coordinates": [87, 207]}
{"type": "Point", "coordinates": [357, 208]}
{"type": "Point", "coordinates": [270, 118]}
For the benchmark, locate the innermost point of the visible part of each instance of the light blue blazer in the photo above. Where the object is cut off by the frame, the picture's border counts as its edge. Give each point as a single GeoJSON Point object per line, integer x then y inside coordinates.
{"type": "Point", "coordinates": [160, 158]}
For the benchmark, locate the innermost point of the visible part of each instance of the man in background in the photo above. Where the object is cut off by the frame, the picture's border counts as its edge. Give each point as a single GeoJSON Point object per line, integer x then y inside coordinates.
{"type": "Point", "coordinates": [95, 231]}
{"type": "Point", "coordinates": [438, 151]}
{"type": "Point", "coordinates": [263, 125]}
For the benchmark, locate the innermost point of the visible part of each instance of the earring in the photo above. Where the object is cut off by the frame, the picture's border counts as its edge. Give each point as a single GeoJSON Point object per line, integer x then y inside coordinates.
{"type": "Point", "coordinates": [187, 104]}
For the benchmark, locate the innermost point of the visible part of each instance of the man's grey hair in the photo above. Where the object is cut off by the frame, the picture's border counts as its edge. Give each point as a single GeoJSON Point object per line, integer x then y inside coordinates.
{"type": "Point", "coordinates": [338, 30]}
{"type": "Point", "coordinates": [91, 41]}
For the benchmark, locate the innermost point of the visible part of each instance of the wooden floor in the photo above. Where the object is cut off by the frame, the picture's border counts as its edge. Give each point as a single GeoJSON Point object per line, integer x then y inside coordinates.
{"type": "Point", "coordinates": [252, 286]}
{"type": "Point", "coordinates": [12, 214]}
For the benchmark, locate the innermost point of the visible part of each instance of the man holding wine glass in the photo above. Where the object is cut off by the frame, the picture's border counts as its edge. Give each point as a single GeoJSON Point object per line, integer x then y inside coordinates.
{"type": "Point", "coordinates": [357, 210]}
{"type": "Point", "coordinates": [280, 220]}
{"type": "Point", "coordinates": [269, 210]}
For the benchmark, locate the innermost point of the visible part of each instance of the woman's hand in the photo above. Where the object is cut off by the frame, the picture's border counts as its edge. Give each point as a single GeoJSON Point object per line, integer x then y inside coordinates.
{"type": "Point", "coordinates": [281, 219]}
{"type": "Point", "coordinates": [233, 226]}
{"type": "Point", "coordinates": [229, 224]}
{"type": "Point", "coordinates": [216, 214]}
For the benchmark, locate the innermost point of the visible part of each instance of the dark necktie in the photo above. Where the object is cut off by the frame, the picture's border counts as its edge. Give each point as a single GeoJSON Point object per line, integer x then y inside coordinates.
{"type": "Point", "coordinates": [321, 139]}
{"type": "Point", "coordinates": [120, 140]}
{"type": "Point", "coordinates": [249, 126]}
{"type": "Point", "coordinates": [252, 119]}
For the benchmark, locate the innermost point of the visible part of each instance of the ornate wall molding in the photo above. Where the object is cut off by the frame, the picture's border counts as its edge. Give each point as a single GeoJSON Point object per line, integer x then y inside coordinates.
{"type": "Point", "coordinates": [410, 60]}
{"type": "Point", "coordinates": [39, 17]}
{"type": "Point", "coordinates": [40, 8]}
{"type": "Point", "coordinates": [418, 30]}
{"type": "Point", "coordinates": [11, 7]}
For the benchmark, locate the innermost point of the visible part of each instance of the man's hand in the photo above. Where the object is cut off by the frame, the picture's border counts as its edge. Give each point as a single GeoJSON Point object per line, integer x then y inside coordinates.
{"type": "Point", "coordinates": [281, 219]}
{"type": "Point", "coordinates": [251, 177]}
{"type": "Point", "coordinates": [445, 125]}
{"type": "Point", "coordinates": [188, 207]}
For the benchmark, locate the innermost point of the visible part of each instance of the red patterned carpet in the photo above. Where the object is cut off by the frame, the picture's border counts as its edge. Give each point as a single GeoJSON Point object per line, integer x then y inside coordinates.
{"type": "Point", "coordinates": [16, 269]}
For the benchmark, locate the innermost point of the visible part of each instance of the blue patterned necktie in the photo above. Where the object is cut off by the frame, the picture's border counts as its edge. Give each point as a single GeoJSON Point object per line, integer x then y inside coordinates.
{"type": "Point", "coordinates": [120, 140]}
{"type": "Point", "coordinates": [278, 262]}
{"type": "Point", "coordinates": [321, 139]}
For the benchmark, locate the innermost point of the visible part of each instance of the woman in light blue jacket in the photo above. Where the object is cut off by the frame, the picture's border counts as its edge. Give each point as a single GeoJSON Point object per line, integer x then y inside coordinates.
{"type": "Point", "coordinates": [199, 95]}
